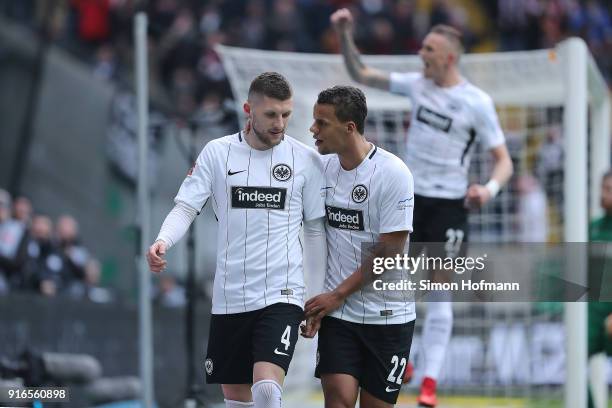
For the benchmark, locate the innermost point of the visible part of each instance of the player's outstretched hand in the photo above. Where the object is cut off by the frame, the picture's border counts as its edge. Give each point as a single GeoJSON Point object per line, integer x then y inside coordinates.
{"type": "Point", "coordinates": [341, 20]}
{"type": "Point", "coordinates": [477, 196]}
{"type": "Point", "coordinates": [155, 256]}
{"type": "Point", "coordinates": [310, 327]}
{"type": "Point", "coordinates": [322, 305]}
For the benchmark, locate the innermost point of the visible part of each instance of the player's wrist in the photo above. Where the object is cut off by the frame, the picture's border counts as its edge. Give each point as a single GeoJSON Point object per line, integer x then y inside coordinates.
{"type": "Point", "coordinates": [338, 294]}
{"type": "Point", "coordinates": [163, 241]}
{"type": "Point", "coordinates": [492, 187]}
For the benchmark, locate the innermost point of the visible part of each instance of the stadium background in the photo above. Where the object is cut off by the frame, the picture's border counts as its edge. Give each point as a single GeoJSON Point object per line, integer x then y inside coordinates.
{"type": "Point", "coordinates": [68, 144]}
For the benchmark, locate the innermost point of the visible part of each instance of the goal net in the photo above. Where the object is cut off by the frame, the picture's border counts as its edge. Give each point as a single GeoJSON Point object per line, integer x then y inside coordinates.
{"type": "Point", "coordinates": [543, 99]}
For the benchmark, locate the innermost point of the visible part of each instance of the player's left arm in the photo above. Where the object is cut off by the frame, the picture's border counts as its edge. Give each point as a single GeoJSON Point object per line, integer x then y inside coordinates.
{"type": "Point", "coordinates": [491, 135]}
{"type": "Point", "coordinates": [315, 242]}
{"type": "Point", "coordinates": [480, 194]}
{"type": "Point", "coordinates": [315, 264]}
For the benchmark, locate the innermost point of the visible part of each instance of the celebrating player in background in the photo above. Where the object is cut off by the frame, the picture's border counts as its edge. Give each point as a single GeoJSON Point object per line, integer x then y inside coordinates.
{"type": "Point", "coordinates": [448, 115]}
{"type": "Point", "coordinates": [263, 184]}
{"type": "Point", "coordinates": [365, 341]}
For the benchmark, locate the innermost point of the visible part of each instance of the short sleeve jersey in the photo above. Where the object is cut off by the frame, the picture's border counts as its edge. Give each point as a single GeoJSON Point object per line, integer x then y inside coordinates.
{"type": "Point", "coordinates": [374, 198]}
{"type": "Point", "coordinates": [260, 199]}
{"type": "Point", "coordinates": [445, 124]}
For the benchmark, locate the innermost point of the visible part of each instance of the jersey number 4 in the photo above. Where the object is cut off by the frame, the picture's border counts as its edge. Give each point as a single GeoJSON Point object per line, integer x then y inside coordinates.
{"type": "Point", "coordinates": [285, 338]}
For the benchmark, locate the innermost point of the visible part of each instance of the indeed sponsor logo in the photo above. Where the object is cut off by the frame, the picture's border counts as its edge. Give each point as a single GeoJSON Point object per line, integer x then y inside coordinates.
{"type": "Point", "coordinates": [339, 216]}
{"type": "Point", "coordinates": [258, 197]}
{"type": "Point", "coordinates": [343, 218]}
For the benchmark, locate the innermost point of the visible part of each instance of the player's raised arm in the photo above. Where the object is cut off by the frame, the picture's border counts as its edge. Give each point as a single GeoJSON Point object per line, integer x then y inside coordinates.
{"type": "Point", "coordinates": [342, 21]}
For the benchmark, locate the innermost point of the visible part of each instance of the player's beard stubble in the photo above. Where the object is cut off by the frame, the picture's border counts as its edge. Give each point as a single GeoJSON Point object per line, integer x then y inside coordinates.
{"type": "Point", "coordinates": [264, 137]}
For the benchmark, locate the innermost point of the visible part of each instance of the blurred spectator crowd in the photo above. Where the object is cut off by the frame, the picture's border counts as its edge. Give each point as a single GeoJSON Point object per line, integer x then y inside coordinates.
{"type": "Point", "coordinates": [183, 33]}
{"type": "Point", "coordinates": [38, 255]}
{"type": "Point", "coordinates": [531, 24]}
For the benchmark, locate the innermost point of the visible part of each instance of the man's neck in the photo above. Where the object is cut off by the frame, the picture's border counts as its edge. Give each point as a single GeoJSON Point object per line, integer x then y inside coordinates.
{"type": "Point", "coordinates": [355, 153]}
{"type": "Point", "coordinates": [252, 140]}
{"type": "Point", "coordinates": [452, 78]}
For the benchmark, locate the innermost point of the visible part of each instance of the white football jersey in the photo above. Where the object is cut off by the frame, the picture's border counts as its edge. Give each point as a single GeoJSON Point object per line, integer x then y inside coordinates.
{"type": "Point", "coordinates": [374, 198]}
{"type": "Point", "coordinates": [260, 199]}
{"type": "Point", "coordinates": [445, 123]}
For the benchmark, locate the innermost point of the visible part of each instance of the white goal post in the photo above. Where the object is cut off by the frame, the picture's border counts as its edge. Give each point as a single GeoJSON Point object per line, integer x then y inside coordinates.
{"type": "Point", "coordinates": [565, 77]}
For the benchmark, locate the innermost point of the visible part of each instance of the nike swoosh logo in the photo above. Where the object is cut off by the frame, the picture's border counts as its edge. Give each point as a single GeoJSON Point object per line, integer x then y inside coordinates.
{"type": "Point", "coordinates": [231, 173]}
{"type": "Point", "coordinates": [280, 352]}
{"type": "Point", "coordinates": [391, 389]}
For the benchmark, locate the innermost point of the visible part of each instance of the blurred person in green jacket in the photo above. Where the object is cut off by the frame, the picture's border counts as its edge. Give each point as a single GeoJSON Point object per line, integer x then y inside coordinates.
{"type": "Point", "coordinates": [600, 313]}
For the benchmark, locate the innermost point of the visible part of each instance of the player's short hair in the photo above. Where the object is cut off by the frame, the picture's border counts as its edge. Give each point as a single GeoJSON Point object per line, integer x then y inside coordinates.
{"type": "Point", "coordinates": [272, 85]}
{"type": "Point", "coordinates": [349, 104]}
{"type": "Point", "coordinates": [453, 35]}
{"type": "Point", "coordinates": [607, 175]}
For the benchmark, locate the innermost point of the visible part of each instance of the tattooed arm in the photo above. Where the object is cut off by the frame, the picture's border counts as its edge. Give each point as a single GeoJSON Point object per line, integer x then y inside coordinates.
{"type": "Point", "coordinates": [342, 21]}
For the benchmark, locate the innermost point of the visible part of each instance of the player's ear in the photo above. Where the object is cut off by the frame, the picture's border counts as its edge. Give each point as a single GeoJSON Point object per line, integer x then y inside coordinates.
{"type": "Point", "coordinates": [247, 108]}
{"type": "Point", "coordinates": [351, 127]}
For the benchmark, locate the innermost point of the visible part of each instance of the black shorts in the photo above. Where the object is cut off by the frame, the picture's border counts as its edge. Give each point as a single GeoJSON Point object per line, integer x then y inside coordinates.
{"type": "Point", "coordinates": [376, 355]}
{"type": "Point", "coordinates": [442, 221]}
{"type": "Point", "coordinates": [237, 341]}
